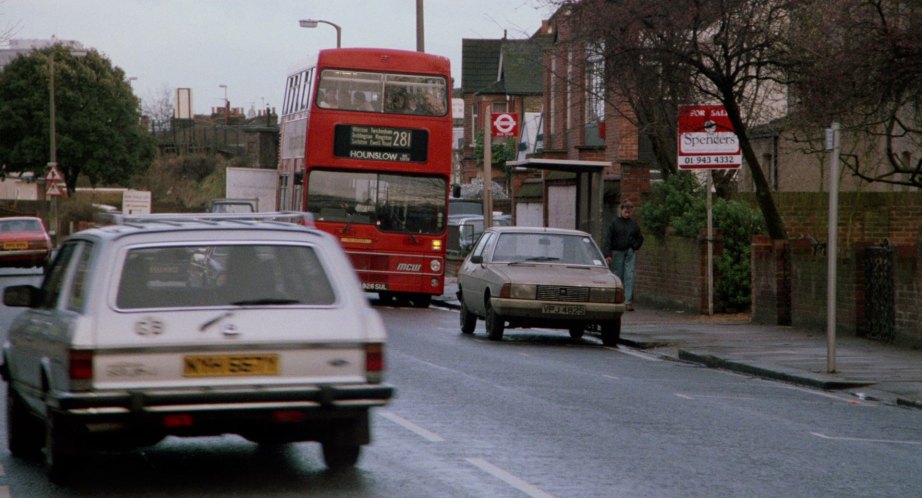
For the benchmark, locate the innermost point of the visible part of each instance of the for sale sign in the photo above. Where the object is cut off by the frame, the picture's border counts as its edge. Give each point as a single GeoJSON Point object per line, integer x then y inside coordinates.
{"type": "Point", "coordinates": [707, 140]}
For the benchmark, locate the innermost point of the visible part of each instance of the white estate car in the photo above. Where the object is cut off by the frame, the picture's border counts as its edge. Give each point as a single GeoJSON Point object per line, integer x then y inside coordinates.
{"type": "Point", "coordinates": [129, 340]}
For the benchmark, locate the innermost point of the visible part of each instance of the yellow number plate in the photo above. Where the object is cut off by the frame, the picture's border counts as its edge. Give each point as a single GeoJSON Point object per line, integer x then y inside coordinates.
{"type": "Point", "coordinates": [230, 365]}
{"type": "Point", "coordinates": [9, 246]}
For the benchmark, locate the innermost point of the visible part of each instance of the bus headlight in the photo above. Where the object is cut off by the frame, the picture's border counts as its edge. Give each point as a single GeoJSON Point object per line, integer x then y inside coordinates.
{"type": "Point", "coordinates": [435, 265]}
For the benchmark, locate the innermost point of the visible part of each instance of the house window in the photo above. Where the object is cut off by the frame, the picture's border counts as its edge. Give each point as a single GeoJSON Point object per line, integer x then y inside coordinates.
{"type": "Point", "coordinates": [595, 83]}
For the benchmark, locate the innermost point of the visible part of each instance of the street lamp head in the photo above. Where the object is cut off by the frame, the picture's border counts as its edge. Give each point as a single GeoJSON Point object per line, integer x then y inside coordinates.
{"type": "Point", "coordinates": [308, 23]}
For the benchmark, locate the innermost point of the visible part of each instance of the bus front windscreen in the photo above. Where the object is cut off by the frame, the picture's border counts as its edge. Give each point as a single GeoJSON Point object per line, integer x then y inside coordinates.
{"type": "Point", "coordinates": [392, 202]}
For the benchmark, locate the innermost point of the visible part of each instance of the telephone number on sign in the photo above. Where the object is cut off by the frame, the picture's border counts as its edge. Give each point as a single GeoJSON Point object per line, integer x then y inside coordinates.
{"type": "Point", "coordinates": [729, 161]}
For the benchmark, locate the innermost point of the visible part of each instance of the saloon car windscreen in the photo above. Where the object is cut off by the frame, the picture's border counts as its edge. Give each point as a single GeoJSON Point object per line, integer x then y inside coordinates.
{"type": "Point", "coordinates": [221, 275]}
{"type": "Point", "coordinates": [540, 247]}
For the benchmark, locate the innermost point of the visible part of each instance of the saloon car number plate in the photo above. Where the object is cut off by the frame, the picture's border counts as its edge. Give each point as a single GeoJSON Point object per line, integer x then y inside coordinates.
{"type": "Point", "coordinates": [564, 309]}
{"type": "Point", "coordinates": [230, 365]}
{"type": "Point", "coordinates": [16, 245]}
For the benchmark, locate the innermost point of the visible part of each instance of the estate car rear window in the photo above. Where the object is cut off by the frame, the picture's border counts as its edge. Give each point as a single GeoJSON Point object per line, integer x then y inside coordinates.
{"type": "Point", "coordinates": [222, 275]}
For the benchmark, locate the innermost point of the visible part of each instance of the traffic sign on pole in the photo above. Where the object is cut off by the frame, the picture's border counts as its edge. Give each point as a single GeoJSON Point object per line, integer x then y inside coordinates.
{"type": "Point", "coordinates": [54, 174]}
{"type": "Point", "coordinates": [53, 190]}
{"type": "Point", "coordinates": [707, 139]}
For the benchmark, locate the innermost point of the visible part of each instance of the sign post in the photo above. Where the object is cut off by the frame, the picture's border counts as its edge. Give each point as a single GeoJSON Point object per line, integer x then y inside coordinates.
{"type": "Point", "coordinates": [503, 124]}
{"type": "Point", "coordinates": [708, 141]}
{"type": "Point", "coordinates": [54, 190]}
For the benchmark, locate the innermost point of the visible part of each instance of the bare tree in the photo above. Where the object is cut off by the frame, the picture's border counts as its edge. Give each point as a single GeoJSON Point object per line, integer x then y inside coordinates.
{"type": "Point", "coordinates": [866, 72]}
{"type": "Point", "coordinates": [734, 52]}
{"type": "Point", "coordinates": [158, 107]}
{"type": "Point", "coordinates": [7, 32]}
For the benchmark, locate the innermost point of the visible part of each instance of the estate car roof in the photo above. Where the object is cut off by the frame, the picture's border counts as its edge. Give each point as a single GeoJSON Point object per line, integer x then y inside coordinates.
{"type": "Point", "coordinates": [117, 225]}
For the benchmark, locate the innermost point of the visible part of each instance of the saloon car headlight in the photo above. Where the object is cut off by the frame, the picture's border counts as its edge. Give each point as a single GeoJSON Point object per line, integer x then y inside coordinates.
{"type": "Point", "coordinates": [519, 291]}
{"type": "Point", "coordinates": [606, 295]}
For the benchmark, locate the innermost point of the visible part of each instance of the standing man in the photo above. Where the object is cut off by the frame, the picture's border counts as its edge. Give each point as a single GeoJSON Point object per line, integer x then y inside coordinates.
{"type": "Point", "coordinates": [622, 240]}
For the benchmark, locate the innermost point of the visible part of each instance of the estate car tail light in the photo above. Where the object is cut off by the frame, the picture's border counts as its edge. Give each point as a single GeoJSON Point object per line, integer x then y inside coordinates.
{"type": "Point", "coordinates": [80, 364]}
{"type": "Point", "coordinates": [374, 362]}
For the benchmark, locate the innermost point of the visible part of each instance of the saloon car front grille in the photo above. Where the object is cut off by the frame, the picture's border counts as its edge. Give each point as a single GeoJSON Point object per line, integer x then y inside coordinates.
{"type": "Point", "coordinates": [565, 293]}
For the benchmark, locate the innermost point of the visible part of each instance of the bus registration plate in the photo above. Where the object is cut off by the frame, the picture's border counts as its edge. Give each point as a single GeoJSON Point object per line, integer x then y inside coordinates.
{"type": "Point", "coordinates": [230, 365]}
{"type": "Point", "coordinates": [564, 309]}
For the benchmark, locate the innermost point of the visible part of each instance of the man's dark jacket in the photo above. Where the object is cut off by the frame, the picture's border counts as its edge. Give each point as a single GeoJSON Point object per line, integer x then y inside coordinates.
{"type": "Point", "coordinates": [623, 234]}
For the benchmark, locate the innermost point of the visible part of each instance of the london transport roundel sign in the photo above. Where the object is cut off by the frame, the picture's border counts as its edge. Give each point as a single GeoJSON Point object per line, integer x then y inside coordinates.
{"type": "Point", "coordinates": [505, 124]}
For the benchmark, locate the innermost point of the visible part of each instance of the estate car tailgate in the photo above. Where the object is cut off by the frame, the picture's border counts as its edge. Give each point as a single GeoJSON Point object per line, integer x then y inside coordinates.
{"type": "Point", "coordinates": [232, 347]}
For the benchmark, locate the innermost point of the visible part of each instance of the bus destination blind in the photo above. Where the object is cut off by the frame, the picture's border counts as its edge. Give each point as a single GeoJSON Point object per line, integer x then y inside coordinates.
{"type": "Point", "coordinates": [379, 143]}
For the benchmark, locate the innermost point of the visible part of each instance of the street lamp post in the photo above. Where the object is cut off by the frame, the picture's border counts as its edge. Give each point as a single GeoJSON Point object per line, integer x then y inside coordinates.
{"type": "Point", "coordinates": [225, 104]}
{"type": "Point", "coordinates": [312, 23]}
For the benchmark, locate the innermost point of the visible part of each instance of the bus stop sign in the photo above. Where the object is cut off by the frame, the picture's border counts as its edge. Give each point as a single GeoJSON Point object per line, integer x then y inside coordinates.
{"type": "Point", "coordinates": [505, 124]}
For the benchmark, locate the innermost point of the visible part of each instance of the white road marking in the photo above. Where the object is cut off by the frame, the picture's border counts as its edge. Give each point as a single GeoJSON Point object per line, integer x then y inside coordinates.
{"type": "Point", "coordinates": [515, 482]}
{"type": "Point", "coordinates": [864, 440]}
{"type": "Point", "coordinates": [410, 426]}
{"type": "Point", "coordinates": [707, 396]}
{"type": "Point", "coordinates": [823, 394]}
{"type": "Point", "coordinates": [636, 354]}
{"type": "Point", "coordinates": [612, 377]}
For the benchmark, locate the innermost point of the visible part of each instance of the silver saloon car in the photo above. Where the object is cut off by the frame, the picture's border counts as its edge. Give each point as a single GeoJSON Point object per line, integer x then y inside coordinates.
{"type": "Point", "coordinates": [547, 277]}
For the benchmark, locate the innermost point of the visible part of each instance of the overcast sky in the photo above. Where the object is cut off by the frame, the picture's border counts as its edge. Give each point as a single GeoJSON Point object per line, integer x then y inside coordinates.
{"type": "Point", "coordinates": [249, 45]}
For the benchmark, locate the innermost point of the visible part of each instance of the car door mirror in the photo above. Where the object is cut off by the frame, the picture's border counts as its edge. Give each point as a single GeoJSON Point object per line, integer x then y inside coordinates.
{"type": "Point", "coordinates": [22, 296]}
{"type": "Point", "coordinates": [478, 259]}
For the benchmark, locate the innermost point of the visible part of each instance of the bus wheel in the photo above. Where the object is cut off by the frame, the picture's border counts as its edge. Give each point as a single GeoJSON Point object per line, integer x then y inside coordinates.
{"type": "Point", "coordinates": [421, 300]}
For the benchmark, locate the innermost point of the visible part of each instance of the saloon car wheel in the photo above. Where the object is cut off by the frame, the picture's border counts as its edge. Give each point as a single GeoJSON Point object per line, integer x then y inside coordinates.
{"type": "Point", "coordinates": [23, 430]}
{"type": "Point", "coordinates": [60, 449]}
{"type": "Point", "coordinates": [577, 331]}
{"type": "Point", "coordinates": [468, 320]}
{"type": "Point", "coordinates": [494, 323]}
{"type": "Point", "coordinates": [611, 332]}
{"type": "Point", "coordinates": [340, 456]}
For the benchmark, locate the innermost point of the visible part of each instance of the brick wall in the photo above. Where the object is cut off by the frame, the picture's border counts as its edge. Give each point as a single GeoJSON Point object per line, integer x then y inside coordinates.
{"type": "Point", "coordinates": [865, 220]}
{"type": "Point", "coordinates": [671, 272]}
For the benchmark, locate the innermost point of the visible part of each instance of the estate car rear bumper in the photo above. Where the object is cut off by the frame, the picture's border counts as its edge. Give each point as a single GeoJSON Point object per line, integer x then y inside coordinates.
{"type": "Point", "coordinates": [327, 397]}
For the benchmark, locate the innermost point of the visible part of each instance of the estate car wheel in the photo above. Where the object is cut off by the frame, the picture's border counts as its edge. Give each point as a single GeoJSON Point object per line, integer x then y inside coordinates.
{"type": "Point", "coordinates": [340, 456]}
{"type": "Point", "coordinates": [494, 323]}
{"type": "Point", "coordinates": [60, 450]}
{"type": "Point", "coordinates": [611, 332]}
{"type": "Point", "coordinates": [577, 331]}
{"type": "Point", "coordinates": [468, 319]}
{"type": "Point", "coordinates": [23, 430]}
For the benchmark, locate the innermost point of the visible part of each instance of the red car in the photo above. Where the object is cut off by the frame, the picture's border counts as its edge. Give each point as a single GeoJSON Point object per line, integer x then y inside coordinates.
{"type": "Point", "coordinates": [24, 242]}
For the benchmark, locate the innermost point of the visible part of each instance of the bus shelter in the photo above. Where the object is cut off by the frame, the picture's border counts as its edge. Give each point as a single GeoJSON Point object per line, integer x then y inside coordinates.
{"type": "Point", "coordinates": [590, 189]}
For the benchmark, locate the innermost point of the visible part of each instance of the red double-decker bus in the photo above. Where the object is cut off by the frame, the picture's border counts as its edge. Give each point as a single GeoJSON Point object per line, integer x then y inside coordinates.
{"type": "Point", "coordinates": [366, 148]}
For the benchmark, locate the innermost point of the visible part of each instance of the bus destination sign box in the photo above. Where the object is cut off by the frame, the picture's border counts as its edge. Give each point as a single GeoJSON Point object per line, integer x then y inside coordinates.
{"type": "Point", "coordinates": [379, 143]}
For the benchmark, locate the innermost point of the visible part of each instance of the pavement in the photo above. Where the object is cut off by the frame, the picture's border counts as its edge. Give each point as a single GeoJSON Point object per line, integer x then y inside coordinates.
{"type": "Point", "coordinates": [866, 370]}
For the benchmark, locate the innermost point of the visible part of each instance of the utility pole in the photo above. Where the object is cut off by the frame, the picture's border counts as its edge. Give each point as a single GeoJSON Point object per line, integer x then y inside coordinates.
{"type": "Point", "coordinates": [420, 43]}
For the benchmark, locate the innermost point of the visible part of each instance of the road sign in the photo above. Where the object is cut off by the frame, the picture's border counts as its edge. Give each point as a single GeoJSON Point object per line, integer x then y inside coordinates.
{"type": "Point", "coordinates": [54, 174]}
{"type": "Point", "coordinates": [707, 139]}
{"type": "Point", "coordinates": [53, 190]}
{"type": "Point", "coordinates": [505, 124]}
